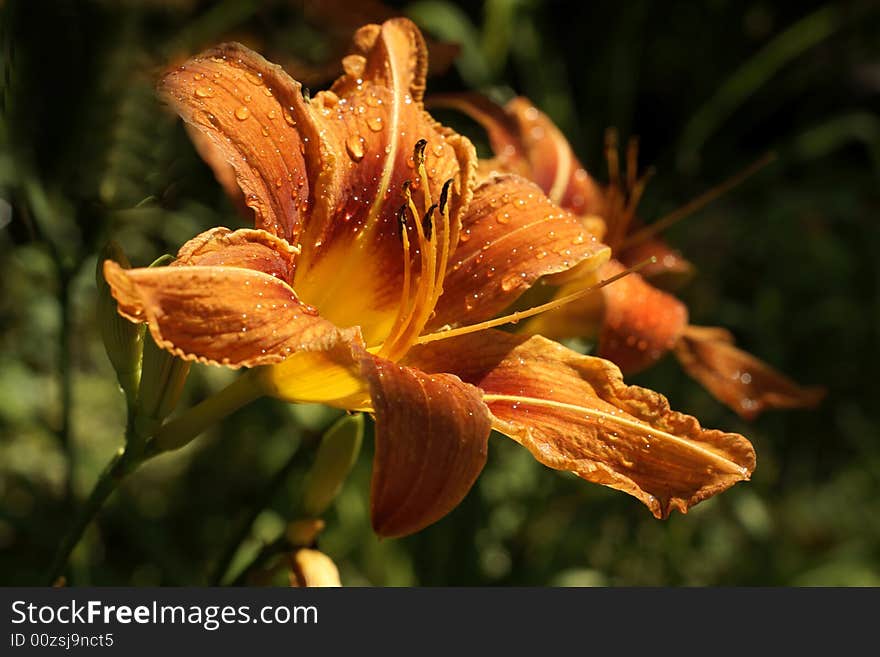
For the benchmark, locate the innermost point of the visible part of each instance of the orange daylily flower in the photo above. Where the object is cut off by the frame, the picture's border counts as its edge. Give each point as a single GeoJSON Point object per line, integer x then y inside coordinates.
{"type": "Point", "coordinates": [371, 237]}
{"type": "Point", "coordinates": [635, 322]}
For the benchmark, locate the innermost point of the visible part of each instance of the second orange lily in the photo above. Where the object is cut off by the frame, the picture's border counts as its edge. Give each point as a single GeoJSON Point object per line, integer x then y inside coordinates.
{"type": "Point", "coordinates": [635, 322]}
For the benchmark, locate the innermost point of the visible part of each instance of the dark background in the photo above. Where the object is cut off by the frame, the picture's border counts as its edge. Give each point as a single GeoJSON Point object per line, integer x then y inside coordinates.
{"type": "Point", "coordinates": [788, 262]}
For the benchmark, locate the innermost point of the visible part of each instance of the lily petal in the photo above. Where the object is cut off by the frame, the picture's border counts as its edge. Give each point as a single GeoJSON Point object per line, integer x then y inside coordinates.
{"type": "Point", "coordinates": [641, 323]}
{"type": "Point", "coordinates": [370, 122]}
{"type": "Point", "coordinates": [511, 236]}
{"type": "Point", "coordinates": [251, 113]}
{"type": "Point", "coordinates": [527, 142]}
{"type": "Point", "coordinates": [223, 302]}
{"type": "Point", "coordinates": [246, 248]}
{"type": "Point", "coordinates": [738, 379]}
{"type": "Point", "coordinates": [431, 442]}
{"type": "Point", "coordinates": [501, 128]}
{"type": "Point", "coordinates": [574, 413]}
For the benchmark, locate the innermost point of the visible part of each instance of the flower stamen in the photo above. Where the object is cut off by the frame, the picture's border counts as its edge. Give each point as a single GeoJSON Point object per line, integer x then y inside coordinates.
{"type": "Point", "coordinates": [433, 233]}
{"type": "Point", "coordinates": [515, 317]}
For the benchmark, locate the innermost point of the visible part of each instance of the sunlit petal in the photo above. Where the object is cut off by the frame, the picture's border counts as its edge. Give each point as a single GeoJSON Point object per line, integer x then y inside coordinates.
{"type": "Point", "coordinates": [574, 413]}
{"type": "Point", "coordinates": [511, 236]}
{"type": "Point", "coordinates": [251, 113]}
{"type": "Point", "coordinates": [370, 122]}
{"type": "Point", "coordinates": [431, 443]}
{"type": "Point", "coordinates": [224, 301]}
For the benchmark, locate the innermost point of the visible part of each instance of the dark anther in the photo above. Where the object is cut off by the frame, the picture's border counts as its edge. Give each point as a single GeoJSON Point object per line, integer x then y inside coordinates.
{"type": "Point", "coordinates": [307, 95]}
{"type": "Point", "coordinates": [406, 185]}
{"type": "Point", "coordinates": [401, 221]}
{"type": "Point", "coordinates": [419, 151]}
{"type": "Point", "coordinates": [444, 196]}
{"type": "Point", "coordinates": [428, 222]}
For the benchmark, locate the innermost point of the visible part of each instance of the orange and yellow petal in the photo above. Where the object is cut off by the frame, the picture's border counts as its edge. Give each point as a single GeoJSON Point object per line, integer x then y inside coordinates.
{"type": "Point", "coordinates": [331, 376]}
{"type": "Point", "coordinates": [251, 116]}
{"type": "Point", "coordinates": [512, 235]}
{"type": "Point", "coordinates": [370, 122]}
{"type": "Point", "coordinates": [574, 413]}
{"type": "Point", "coordinates": [432, 432]}
{"type": "Point", "coordinates": [736, 378]}
{"type": "Point", "coordinates": [224, 301]}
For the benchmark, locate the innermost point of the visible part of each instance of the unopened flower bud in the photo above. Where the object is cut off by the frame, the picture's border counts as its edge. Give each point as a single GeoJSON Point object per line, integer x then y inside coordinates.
{"type": "Point", "coordinates": [336, 457]}
{"type": "Point", "coordinates": [313, 568]}
{"type": "Point", "coordinates": [163, 376]}
{"type": "Point", "coordinates": [123, 340]}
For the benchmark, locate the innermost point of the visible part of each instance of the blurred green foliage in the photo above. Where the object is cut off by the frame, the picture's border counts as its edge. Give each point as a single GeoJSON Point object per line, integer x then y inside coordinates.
{"type": "Point", "coordinates": [788, 262]}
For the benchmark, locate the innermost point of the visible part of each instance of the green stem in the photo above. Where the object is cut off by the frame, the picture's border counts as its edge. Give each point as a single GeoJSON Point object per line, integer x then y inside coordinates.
{"type": "Point", "coordinates": [180, 431]}
{"type": "Point", "coordinates": [122, 464]}
{"type": "Point", "coordinates": [173, 435]}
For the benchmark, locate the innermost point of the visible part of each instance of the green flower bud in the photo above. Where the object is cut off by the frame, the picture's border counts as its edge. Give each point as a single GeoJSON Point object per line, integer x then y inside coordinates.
{"type": "Point", "coordinates": [163, 376]}
{"type": "Point", "coordinates": [123, 340]}
{"type": "Point", "coordinates": [336, 457]}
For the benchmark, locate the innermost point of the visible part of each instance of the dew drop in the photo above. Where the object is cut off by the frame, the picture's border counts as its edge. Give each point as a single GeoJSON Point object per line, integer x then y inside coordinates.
{"type": "Point", "coordinates": [510, 281]}
{"type": "Point", "coordinates": [375, 123]}
{"type": "Point", "coordinates": [355, 147]}
{"type": "Point", "coordinates": [204, 92]}
{"type": "Point", "coordinates": [242, 113]}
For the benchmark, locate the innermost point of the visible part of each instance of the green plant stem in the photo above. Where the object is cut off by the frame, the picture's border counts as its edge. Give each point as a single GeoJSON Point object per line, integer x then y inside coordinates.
{"type": "Point", "coordinates": [173, 435]}
{"type": "Point", "coordinates": [122, 464]}
{"type": "Point", "coordinates": [180, 431]}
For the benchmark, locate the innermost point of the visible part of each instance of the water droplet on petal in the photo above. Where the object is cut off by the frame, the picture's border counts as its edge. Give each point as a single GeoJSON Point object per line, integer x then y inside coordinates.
{"type": "Point", "coordinates": [375, 123]}
{"type": "Point", "coordinates": [242, 113]}
{"type": "Point", "coordinates": [510, 281]}
{"type": "Point", "coordinates": [204, 92]}
{"type": "Point", "coordinates": [355, 147]}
